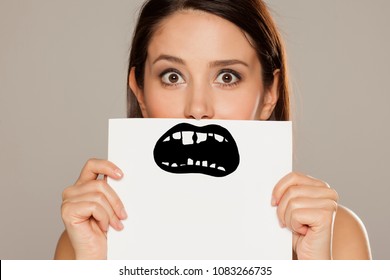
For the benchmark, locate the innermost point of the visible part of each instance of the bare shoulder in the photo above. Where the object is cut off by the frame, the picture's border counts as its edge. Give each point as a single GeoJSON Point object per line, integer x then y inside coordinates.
{"type": "Point", "coordinates": [64, 250]}
{"type": "Point", "coordinates": [350, 239]}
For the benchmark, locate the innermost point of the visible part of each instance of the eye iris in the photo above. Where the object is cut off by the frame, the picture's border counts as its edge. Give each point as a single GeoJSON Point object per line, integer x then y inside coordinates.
{"type": "Point", "coordinates": [173, 78]}
{"type": "Point", "coordinates": [227, 78]}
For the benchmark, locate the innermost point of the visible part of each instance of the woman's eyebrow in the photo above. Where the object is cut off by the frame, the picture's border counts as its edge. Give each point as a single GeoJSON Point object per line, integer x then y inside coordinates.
{"type": "Point", "coordinates": [217, 63]}
{"type": "Point", "coordinates": [169, 58]}
{"type": "Point", "coordinates": [223, 63]}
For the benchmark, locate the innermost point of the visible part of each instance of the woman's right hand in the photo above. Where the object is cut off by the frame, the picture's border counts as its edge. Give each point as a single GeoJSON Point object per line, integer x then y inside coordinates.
{"type": "Point", "coordinates": [89, 207]}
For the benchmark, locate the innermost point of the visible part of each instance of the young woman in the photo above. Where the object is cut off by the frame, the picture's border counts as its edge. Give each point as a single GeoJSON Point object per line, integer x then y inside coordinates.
{"type": "Point", "coordinates": [204, 59]}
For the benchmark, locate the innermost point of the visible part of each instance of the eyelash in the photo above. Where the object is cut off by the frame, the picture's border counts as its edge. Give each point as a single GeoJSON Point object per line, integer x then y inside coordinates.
{"type": "Point", "coordinates": [223, 71]}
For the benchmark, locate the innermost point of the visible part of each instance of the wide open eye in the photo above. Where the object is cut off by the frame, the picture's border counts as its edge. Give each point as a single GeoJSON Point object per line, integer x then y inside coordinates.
{"type": "Point", "coordinates": [227, 78]}
{"type": "Point", "coordinates": [172, 78]}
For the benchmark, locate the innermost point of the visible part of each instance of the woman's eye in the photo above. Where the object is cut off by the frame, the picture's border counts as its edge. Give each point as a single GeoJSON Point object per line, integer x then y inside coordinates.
{"type": "Point", "coordinates": [227, 78]}
{"type": "Point", "coordinates": [172, 78]}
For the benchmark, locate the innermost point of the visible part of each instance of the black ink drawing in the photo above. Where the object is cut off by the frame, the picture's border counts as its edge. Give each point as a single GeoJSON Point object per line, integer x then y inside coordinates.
{"type": "Point", "coordinates": [186, 148]}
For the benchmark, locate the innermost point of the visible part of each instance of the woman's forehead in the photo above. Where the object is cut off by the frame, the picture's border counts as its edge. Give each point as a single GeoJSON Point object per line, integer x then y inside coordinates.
{"type": "Point", "coordinates": [199, 35]}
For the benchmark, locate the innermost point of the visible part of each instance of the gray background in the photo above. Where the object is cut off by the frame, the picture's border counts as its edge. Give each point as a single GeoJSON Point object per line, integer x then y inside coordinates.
{"type": "Point", "coordinates": [63, 75]}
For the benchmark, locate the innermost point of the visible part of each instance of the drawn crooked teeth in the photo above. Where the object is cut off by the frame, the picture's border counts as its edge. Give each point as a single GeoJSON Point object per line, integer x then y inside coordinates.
{"type": "Point", "coordinates": [221, 168]}
{"type": "Point", "coordinates": [219, 138]}
{"type": "Point", "coordinates": [203, 163]}
{"type": "Point", "coordinates": [187, 138]}
{"type": "Point", "coordinates": [201, 137]}
{"type": "Point", "coordinates": [176, 135]}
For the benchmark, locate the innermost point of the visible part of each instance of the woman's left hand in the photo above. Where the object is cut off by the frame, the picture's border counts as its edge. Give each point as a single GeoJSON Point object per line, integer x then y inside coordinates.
{"type": "Point", "coordinates": [307, 206]}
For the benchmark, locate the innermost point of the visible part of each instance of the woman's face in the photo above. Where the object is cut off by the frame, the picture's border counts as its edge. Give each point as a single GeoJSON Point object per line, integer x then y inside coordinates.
{"type": "Point", "coordinates": [201, 66]}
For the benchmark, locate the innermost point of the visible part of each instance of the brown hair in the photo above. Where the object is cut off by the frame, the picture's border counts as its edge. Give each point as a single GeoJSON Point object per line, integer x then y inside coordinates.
{"type": "Point", "coordinates": [252, 16]}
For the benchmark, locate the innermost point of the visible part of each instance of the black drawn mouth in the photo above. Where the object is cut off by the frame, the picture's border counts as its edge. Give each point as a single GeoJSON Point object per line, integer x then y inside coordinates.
{"type": "Point", "coordinates": [185, 148]}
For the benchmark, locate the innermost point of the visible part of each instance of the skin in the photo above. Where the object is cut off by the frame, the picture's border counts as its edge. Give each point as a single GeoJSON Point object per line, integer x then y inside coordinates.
{"type": "Point", "coordinates": [186, 78]}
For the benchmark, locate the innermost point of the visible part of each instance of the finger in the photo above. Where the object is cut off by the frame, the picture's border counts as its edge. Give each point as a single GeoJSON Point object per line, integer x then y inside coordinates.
{"type": "Point", "coordinates": [75, 214]}
{"type": "Point", "coordinates": [312, 230]}
{"type": "Point", "coordinates": [94, 167]}
{"type": "Point", "coordinates": [100, 199]}
{"type": "Point", "coordinates": [309, 192]}
{"type": "Point", "coordinates": [294, 179]}
{"type": "Point", "coordinates": [328, 205]}
{"type": "Point", "coordinates": [315, 220]}
{"type": "Point", "coordinates": [97, 186]}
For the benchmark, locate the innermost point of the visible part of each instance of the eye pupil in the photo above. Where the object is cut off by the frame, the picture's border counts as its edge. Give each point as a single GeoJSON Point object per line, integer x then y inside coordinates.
{"type": "Point", "coordinates": [227, 78]}
{"type": "Point", "coordinates": [173, 78]}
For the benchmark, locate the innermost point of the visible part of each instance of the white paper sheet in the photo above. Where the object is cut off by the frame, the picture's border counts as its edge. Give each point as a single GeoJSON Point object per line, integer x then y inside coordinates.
{"type": "Point", "coordinates": [195, 215]}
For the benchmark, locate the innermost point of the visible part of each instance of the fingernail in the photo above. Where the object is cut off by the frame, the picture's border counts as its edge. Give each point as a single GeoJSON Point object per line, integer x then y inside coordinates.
{"type": "Point", "coordinates": [273, 201]}
{"type": "Point", "coordinates": [123, 214]}
{"type": "Point", "coordinates": [120, 225]}
{"type": "Point", "coordinates": [118, 173]}
{"type": "Point", "coordinates": [282, 225]}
